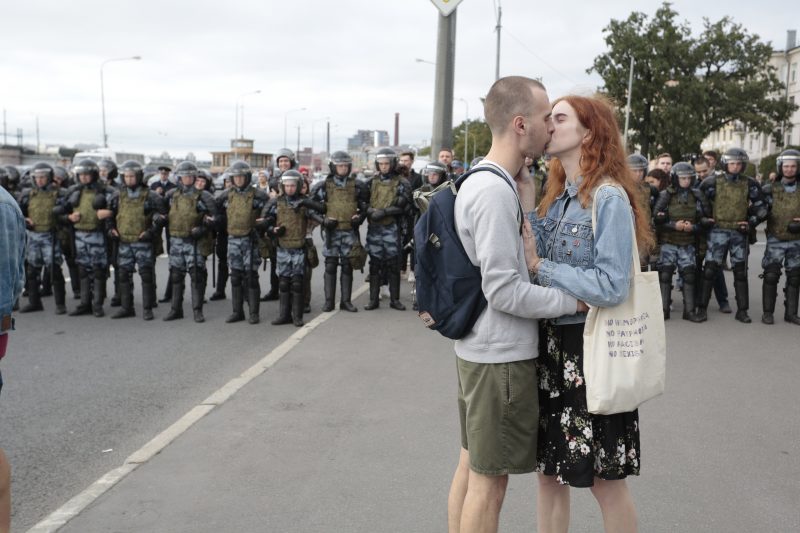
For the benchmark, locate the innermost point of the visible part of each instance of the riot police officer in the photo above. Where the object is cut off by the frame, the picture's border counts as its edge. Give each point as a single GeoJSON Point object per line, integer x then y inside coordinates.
{"type": "Point", "coordinates": [738, 205]}
{"type": "Point", "coordinates": [239, 206]}
{"type": "Point", "coordinates": [12, 180]}
{"type": "Point", "coordinates": [648, 196]}
{"type": "Point", "coordinates": [40, 205]}
{"type": "Point", "coordinates": [343, 201]}
{"type": "Point", "coordinates": [88, 203]}
{"type": "Point", "coordinates": [135, 227]}
{"type": "Point", "coordinates": [682, 213]}
{"type": "Point", "coordinates": [284, 160]}
{"type": "Point", "coordinates": [783, 239]}
{"type": "Point", "coordinates": [389, 199]}
{"type": "Point", "coordinates": [108, 172]}
{"type": "Point", "coordinates": [190, 213]}
{"type": "Point", "coordinates": [286, 218]}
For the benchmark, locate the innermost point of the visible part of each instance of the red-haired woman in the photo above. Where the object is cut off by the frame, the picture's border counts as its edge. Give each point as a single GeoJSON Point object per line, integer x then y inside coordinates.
{"type": "Point", "coordinates": [576, 448]}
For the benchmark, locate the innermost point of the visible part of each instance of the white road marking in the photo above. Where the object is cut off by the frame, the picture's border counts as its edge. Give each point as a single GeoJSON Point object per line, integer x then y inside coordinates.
{"type": "Point", "coordinates": [73, 507]}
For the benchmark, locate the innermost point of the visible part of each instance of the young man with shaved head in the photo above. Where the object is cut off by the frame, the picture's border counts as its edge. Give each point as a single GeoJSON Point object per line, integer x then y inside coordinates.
{"type": "Point", "coordinates": [497, 383]}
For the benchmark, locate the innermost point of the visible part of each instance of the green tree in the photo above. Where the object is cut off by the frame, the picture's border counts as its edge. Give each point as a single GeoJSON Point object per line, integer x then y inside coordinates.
{"type": "Point", "coordinates": [685, 87]}
{"type": "Point", "coordinates": [480, 140]}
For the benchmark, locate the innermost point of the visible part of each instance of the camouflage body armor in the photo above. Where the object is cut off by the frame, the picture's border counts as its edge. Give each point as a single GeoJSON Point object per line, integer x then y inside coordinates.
{"type": "Point", "coordinates": [241, 215]}
{"type": "Point", "coordinates": [730, 202]}
{"type": "Point", "coordinates": [341, 203]}
{"type": "Point", "coordinates": [183, 214]}
{"type": "Point", "coordinates": [681, 209]}
{"type": "Point", "coordinates": [89, 220]}
{"type": "Point", "coordinates": [382, 194]}
{"type": "Point", "coordinates": [40, 210]}
{"type": "Point", "coordinates": [785, 207]}
{"type": "Point", "coordinates": [295, 223]}
{"type": "Point", "coordinates": [131, 220]}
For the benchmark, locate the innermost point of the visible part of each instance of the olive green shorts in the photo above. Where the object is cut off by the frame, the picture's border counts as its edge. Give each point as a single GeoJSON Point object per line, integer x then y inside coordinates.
{"type": "Point", "coordinates": [498, 407]}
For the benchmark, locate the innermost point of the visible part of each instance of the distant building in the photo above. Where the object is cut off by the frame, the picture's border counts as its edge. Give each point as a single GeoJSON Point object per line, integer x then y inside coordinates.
{"type": "Point", "coordinates": [758, 145]}
{"type": "Point", "coordinates": [241, 149]}
{"type": "Point", "coordinates": [367, 138]}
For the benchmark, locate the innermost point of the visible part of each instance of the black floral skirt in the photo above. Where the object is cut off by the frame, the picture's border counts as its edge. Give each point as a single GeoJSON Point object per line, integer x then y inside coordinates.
{"type": "Point", "coordinates": [574, 445]}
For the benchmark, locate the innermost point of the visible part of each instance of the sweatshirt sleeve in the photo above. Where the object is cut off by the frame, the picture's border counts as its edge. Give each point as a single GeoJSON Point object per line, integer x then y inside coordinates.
{"type": "Point", "coordinates": [487, 218]}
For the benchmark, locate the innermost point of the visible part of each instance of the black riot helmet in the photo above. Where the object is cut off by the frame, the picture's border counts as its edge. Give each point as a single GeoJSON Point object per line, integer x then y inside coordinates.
{"type": "Point", "coordinates": [62, 174]}
{"type": "Point", "coordinates": [285, 152]}
{"type": "Point", "coordinates": [87, 166]}
{"type": "Point", "coordinates": [384, 155]}
{"type": "Point", "coordinates": [785, 156]}
{"type": "Point", "coordinates": [638, 162]}
{"type": "Point", "coordinates": [185, 168]}
{"type": "Point", "coordinates": [206, 176]}
{"type": "Point", "coordinates": [681, 170]}
{"type": "Point", "coordinates": [135, 167]}
{"type": "Point", "coordinates": [475, 161]}
{"type": "Point", "coordinates": [42, 170]}
{"type": "Point", "coordinates": [110, 167]}
{"type": "Point", "coordinates": [435, 170]}
{"type": "Point", "coordinates": [3, 178]}
{"type": "Point", "coordinates": [12, 179]}
{"type": "Point", "coordinates": [340, 158]}
{"type": "Point", "coordinates": [291, 176]}
{"type": "Point", "coordinates": [240, 168]}
{"type": "Point", "coordinates": [734, 155]}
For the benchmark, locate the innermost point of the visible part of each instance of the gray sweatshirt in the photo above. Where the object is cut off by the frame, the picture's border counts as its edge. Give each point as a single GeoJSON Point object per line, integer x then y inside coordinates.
{"type": "Point", "coordinates": [487, 219]}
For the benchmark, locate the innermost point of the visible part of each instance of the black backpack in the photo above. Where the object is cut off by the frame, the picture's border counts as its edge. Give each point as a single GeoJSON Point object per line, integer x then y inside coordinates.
{"type": "Point", "coordinates": [448, 285]}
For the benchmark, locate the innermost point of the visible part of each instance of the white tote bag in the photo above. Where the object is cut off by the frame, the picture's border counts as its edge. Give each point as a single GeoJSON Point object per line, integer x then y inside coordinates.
{"type": "Point", "coordinates": [624, 347]}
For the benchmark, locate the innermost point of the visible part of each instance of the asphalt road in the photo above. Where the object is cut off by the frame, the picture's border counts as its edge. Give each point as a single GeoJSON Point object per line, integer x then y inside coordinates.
{"type": "Point", "coordinates": [81, 393]}
{"type": "Point", "coordinates": [719, 448]}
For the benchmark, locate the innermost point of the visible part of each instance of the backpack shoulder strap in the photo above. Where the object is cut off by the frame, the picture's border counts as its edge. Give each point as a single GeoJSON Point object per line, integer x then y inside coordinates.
{"type": "Point", "coordinates": [497, 172]}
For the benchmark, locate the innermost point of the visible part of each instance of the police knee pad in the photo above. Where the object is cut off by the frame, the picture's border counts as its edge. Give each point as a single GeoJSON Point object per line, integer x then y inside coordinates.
{"type": "Point", "coordinates": [665, 273]}
{"type": "Point", "coordinates": [739, 272]}
{"type": "Point", "coordinates": [772, 274]}
{"type": "Point", "coordinates": [330, 265]}
{"type": "Point", "coordinates": [793, 277]}
{"type": "Point", "coordinates": [710, 270]}
{"type": "Point", "coordinates": [689, 275]}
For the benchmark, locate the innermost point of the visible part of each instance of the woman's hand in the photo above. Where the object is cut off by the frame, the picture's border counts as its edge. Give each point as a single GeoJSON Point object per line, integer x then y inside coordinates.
{"type": "Point", "coordinates": [529, 244]}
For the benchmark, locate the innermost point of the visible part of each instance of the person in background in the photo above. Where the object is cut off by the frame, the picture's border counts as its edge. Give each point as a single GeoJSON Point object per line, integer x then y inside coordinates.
{"type": "Point", "coordinates": [664, 162]}
{"type": "Point", "coordinates": [13, 240]}
{"type": "Point", "coordinates": [704, 168]}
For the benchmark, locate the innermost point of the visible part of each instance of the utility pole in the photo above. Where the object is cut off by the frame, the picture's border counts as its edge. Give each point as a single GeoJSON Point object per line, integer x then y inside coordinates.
{"type": "Point", "coordinates": [497, 29]}
{"type": "Point", "coordinates": [443, 86]}
{"type": "Point", "coordinates": [628, 107]}
{"type": "Point", "coordinates": [328, 138]}
{"type": "Point", "coordinates": [5, 131]}
{"type": "Point", "coordinates": [37, 134]}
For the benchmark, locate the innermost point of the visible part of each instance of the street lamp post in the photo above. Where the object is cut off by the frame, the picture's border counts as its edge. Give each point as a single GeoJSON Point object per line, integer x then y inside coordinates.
{"type": "Point", "coordinates": [466, 130]}
{"type": "Point", "coordinates": [312, 134]}
{"type": "Point", "coordinates": [240, 109]}
{"type": "Point", "coordinates": [628, 107]}
{"type": "Point", "coordinates": [103, 92]}
{"type": "Point", "coordinates": [286, 121]}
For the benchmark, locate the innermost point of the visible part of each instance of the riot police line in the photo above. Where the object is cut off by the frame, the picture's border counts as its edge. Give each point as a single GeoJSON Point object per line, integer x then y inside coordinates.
{"type": "Point", "coordinates": [110, 217]}
{"type": "Point", "coordinates": [93, 224]}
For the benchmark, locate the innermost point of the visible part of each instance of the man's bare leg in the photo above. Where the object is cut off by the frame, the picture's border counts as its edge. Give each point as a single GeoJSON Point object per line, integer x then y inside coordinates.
{"type": "Point", "coordinates": [458, 491]}
{"type": "Point", "coordinates": [482, 504]}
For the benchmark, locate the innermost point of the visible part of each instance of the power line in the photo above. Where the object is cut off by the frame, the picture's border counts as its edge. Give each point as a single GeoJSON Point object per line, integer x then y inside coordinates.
{"type": "Point", "coordinates": [534, 54]}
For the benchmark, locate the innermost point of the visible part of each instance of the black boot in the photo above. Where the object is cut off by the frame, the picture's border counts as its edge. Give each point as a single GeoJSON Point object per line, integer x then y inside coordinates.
{"type": "Point", "coordinates": [769, 292]}
{"type": "Point", "coordinates": [393, 268]}
{"type": "Point", "coordinates": [85, 305]}
{"type": "Point", "coordinates": [297, 301]}
{"type": "Point", "coordinates": [125, 282]}
{"type": "Point", "coordinates": [199, 277]}
{"type": "Point", "coordinates": [47, 282]}
{"type": "Point", "coordinates": [792, 291]}
{"type": "Point", "coordinates": [374, 284]}
{"type": "Point", "coordinates": [330, 282]}
{"type": "Point", "coordinates": [347, 288]}
{"type": "Point", "coordinates": [307, 288]}
{"type": "Point", "coordinates": [98, 291]}
{"type": "Point", "coordinates": [32, 282]}
{"type": "Point", "coordinates": [284, 302]}
{"type": "Point", "coordinates": [176, 285]}
{"type": "Point", "coordinates": [222, 280]}
{"type": "Point", "coordinates": [148, 291]}
{"type": "Point", "coordinates": [254, 298]}
{"type": "Point", "coordinates": [274, 282]}
{"type": "Point", "coordinates": [707, 287]}
{"type": "Point", "coordinates": [665, 273]}
{"type": "Point", "coordinates": [59, 291]}
{"type": "Point", "coordinates": [689, 294]}
{"type": "Point", "coordinates": [237, 297]}
{"type": "Point", "coordinates": [742, 289]}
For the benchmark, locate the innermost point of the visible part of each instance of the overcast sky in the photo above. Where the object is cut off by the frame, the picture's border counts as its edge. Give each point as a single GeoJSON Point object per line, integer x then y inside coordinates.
{"type": "Point", "coordinates": [352, 61]}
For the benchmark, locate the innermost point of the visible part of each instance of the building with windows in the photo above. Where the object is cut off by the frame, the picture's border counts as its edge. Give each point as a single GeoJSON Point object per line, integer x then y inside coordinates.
{"type": "Point", "coordinates": [366, 138]}
{"type": "Point", "coordinates": [241, 149]}
{"type": "Point", "coordinates": [758, 145]}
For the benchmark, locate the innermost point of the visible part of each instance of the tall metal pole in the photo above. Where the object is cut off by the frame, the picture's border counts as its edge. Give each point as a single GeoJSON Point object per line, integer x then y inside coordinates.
{"type": "Point", "coordinates": [37, 134]}
{"type": "Point", "coordinates": [103, 95]}
{"type": "Point", "coordinates": [443, 86]}
{"type": "Point", "coordinates": [466, 131]}
{"type": "Point", "coordinates": [328, 138]}
{"type": "Point", "coordinates": [497, 29]}
{"type": "Point", "coordinates": [628, 107]}
{"type": "Point", "coordinates": [236, 131]}
{"type": "Point", "coordinates": [285, 123]}
{"type": "Point", "coordinates": [297, 153]}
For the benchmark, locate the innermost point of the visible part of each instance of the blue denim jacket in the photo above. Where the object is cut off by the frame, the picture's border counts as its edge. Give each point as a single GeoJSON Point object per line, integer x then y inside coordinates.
{"type": "Point", "coordinates": [12, 252]}
{"type": "Point", "coordinates": [594, 268]}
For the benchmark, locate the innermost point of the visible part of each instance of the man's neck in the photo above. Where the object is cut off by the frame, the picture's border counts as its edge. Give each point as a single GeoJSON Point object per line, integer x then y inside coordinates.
{"type": "Point", "coordinates": [508, 158]}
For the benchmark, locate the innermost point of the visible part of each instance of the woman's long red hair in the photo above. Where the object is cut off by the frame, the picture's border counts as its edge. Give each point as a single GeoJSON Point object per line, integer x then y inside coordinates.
{"type": "Point", "coordinates": [602, 157]}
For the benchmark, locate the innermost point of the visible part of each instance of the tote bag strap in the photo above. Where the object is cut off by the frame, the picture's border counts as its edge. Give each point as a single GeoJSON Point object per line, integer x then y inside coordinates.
{"type": "Point", "coordinates": [637, 267]}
